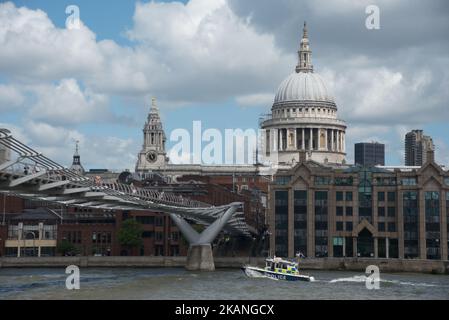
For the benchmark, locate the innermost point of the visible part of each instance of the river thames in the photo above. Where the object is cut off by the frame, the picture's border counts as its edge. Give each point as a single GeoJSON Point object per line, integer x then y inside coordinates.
{"type": "Point", "coordinates": [224, 284]}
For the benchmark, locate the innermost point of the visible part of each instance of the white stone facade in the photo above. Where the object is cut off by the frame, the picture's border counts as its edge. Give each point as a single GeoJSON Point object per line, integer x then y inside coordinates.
{"type": "Point", "coordinates": [153, 155]}
{"type": "Point", "coordinates": [304, 117]}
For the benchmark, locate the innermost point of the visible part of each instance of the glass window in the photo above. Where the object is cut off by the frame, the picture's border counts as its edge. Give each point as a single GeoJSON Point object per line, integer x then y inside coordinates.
{"type": "Point", "coordinates": [349, 211]}
{"type": "Point", "coordinates": [339, 226]}
{"type": "Point", "coordinates": [381, 196]}
{"type": "Point", "coordinates": [159, 221]}
{"type": "Point", "coordinates": [391, 227]}
{"type": "Point", "coordinates": [319, 180]}
{"type": "Point", "coordinates": [339, 211]}
{"type": "Point", "coordinates": [348, 196]}
{"type": "Point", "coordinates": [147, 234]}
{"type": "Point", "coordinates": [381, 226]}
{"type": "Point", "coordinates": [409, 181]}
{"type": "Point", "coordinates": [281, 221]}
{"type": "Point", "coordinates": [339, 196]}
{"type": "Point", "coordinates": [340, 181]}
{"type": "Point", "coordinates": [391, 196]}
{"type": "Point", "coordinates": [381, 211]}
{"type": "Point", "coordinates": [145, 219]}
{"type": "Point", "coordinates": [391, 211]}
{"type": "Point", "coordinates": [282, 180]}
{"type": "Point", "coordinates": [349, 226]}
{"type": "Point", "coordinates": [159, 236]}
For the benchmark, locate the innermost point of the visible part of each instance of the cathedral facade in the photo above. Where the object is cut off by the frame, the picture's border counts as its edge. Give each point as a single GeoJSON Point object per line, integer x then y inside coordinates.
{"type": "Point", "coordinates": [303, 121]}
{"type": "Point", "coordinates": [304, 116]}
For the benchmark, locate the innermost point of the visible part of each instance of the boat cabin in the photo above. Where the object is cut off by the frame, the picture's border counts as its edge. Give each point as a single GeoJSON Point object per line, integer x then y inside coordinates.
{"type": "Point", "coordinates": [281, 266]}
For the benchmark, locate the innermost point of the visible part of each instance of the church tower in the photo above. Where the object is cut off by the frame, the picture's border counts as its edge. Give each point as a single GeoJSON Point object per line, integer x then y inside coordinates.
{"type": "Point", "coordinates": [153, 153]}
{"type": "Point", "coordinates": [76, 164]}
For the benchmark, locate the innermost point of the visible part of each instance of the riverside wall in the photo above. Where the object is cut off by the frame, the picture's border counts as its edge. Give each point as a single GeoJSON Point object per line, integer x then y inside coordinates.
{"type": "Point", "coordinates": [343, 264]}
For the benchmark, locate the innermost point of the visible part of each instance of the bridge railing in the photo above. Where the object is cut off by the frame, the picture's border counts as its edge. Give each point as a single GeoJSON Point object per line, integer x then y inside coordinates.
{"type": "Point", "coordinates": [31, 162]}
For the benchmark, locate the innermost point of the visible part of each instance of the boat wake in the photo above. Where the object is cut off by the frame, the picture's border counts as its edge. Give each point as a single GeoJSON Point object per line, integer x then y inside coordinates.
{"type": "Point", "coordinates": [363, 278]}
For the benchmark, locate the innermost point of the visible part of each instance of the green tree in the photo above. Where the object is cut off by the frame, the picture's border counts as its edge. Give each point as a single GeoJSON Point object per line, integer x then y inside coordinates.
{"type": "Point", "coordinates": [130, 234]}
{"type": "Point", "coordinates": [66, 248]}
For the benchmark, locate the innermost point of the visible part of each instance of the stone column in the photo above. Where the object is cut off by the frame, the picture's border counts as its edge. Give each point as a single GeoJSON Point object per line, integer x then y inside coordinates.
{"type": "Point", "coordinates": [341, 142]}
{"type": "Point", "coordinates": [376, 250]}
{"type": "Point", "coordinates": [275, 139]}
{"type": "Point", "coordinates": [295, 137]}
{"type": "Point", "coordinates": [332, 140]}
{"type": "Point", "coordinates": [354, 247]}
{"type": "Point", "coordinates": [281, 133]}
{"type": "Point", "coordinates": [325, 140]}
{"type": "Point", "coordinates": [303, 142]}
{"type": "Point", "coordinates": [311, 139]}
{"type": "Point", "coordinates": [344, 243]}
{"type": "Point", "coordinates": [387, 247]}
{"type": "Point", "coordinates": [338, 141]}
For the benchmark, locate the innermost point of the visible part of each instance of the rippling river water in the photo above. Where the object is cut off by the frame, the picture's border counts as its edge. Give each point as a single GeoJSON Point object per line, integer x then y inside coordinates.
{"type": "Point", "coordinates": [177, 283]}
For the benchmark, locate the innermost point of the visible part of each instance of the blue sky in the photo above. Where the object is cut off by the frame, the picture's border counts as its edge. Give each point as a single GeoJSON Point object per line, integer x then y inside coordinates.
{"type": "Point", "coordinates": [216, 61]}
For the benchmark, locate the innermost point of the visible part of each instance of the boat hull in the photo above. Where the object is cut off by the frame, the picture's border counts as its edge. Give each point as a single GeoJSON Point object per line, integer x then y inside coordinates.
{"type": "Point", "coordinates": [275, 275]}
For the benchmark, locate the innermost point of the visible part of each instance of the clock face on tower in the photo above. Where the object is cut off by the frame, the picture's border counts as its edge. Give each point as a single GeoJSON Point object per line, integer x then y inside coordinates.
{"type": "Point", "coordinates": [152, 156]}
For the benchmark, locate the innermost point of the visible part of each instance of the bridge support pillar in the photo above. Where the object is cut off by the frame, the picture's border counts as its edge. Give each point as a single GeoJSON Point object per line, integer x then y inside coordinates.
{"type": "Point", "coordinates": [200, 258]}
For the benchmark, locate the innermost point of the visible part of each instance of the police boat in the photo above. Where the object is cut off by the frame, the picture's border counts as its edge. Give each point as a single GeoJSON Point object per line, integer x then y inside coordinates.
{"type": "Point", "coordinates": [277, 268]}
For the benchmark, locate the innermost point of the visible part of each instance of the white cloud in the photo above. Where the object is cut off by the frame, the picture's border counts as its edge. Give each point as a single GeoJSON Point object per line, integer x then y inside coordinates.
{"type": "Point", "coordinates": [66, 103]}
{"type": "Point", "coordinates": [380, 95]}
{"type": "Point", "coordinates": [16, 131]}
{"type": "Point", "coordinates": [33, 48]}
{"type": "Point", "coordinates": [58, 144]}
{"type": "Point", "coordinates": [10, 98]}
{"type": "Point", "coordinates": [204, 50]}
{"type": "Point", "coordinates": [200, 51]}
{"type": "Point", "coordinates": [256, 100]}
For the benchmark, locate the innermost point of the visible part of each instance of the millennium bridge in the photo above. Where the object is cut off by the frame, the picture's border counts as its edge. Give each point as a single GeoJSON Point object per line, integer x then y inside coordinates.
{"type": "Point", "coordinates": [33, 176]}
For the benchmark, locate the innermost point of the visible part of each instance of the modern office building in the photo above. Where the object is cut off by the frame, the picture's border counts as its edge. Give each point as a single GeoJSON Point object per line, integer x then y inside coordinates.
{"type": "Point", "coordinates": [416, 147]}
{"type": "Point", "coordinates": [369, 154]}
{"type": "Point", "coordinates": [324, 210]}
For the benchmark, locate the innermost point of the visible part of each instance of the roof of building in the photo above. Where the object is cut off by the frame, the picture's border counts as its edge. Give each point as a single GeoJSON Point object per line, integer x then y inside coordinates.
{"type": "Point", "coordinates": [303, 87]}
{"type": "Point", "coordinates": [35, 214]}
{"type": "Point", "coordinates": [304, 84]}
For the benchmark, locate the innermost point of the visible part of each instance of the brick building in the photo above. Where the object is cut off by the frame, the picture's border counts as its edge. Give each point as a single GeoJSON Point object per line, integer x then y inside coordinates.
{"type": "Point", "coordinates": [335, 211]}
{"type": "Point", "coordinates": [92, 232]}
